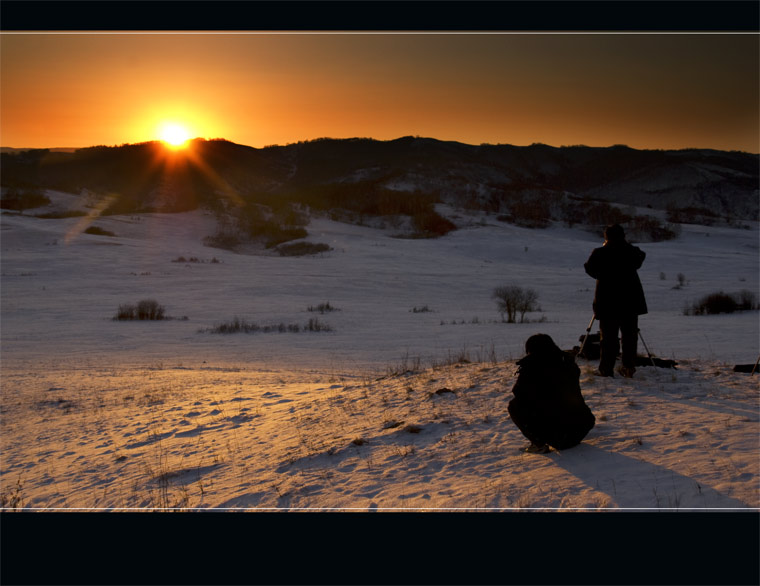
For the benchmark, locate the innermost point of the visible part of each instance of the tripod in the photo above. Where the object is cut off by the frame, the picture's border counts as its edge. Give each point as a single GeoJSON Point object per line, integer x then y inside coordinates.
{"type": "Point", "coordinates": [588, 330]}
{"type": "Point", "coordinates": [649, 354]}
{"type": "Point", "coordinates": [647, 349]}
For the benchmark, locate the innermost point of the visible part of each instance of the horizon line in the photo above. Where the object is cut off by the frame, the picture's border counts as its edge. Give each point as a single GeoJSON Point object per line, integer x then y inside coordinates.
{"type": "Point", "coordinates": [325, 138]}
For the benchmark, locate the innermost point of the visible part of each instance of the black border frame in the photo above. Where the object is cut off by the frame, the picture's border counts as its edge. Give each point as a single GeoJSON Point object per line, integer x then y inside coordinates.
{"type": "Point", "coordinates": [337, 548]}
{"type": "Point", "coordinates": [381, 548]}
{"type": "Point", "coordinates": [396, 15]}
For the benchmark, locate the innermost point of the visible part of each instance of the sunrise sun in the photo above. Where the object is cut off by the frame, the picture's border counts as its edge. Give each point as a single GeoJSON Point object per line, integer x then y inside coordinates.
{"type": "Point", "coordinates": [174, 135]}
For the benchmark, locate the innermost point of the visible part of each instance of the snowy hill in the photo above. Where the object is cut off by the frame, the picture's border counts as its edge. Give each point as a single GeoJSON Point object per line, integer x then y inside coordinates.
{"type": "Point", "coordinates": [397, 401]}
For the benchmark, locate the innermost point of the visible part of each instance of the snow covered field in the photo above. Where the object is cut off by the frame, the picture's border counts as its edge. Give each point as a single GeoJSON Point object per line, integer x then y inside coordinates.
{"type": "Point", "coordinates": [402, 404]}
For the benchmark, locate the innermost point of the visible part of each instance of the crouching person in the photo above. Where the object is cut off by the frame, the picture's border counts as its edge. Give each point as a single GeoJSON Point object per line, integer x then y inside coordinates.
{"type": "Point", "coordinates": [548, 406]}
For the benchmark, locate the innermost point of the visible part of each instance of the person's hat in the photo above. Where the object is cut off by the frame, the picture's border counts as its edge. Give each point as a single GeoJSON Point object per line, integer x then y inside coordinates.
{"type": "Point", "coordinates": [614, 233]}
{"type": "Point", "coordinates": [541, 344]}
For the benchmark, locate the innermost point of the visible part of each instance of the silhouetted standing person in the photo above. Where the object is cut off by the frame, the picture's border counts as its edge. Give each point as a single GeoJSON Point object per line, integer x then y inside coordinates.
{"type": "Point", "coordinates": [618, 299]}
{"type": "Point", "coordinates": [548, 406]}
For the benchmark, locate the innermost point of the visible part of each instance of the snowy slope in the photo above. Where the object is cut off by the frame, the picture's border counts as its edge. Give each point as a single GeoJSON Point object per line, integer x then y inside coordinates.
{"type": "Point", "coordinates": [393, 408]}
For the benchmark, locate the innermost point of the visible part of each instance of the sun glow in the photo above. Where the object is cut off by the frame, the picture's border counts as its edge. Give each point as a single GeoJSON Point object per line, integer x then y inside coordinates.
{"type": "Point", "coordinates": [174, 135]}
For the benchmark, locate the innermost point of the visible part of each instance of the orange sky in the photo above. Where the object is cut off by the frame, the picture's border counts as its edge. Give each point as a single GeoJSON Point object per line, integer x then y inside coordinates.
{"type": "Point", "coordinates": [644, 90]}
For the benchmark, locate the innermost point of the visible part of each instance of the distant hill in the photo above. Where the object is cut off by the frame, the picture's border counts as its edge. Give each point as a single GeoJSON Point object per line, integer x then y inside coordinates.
{"type": "Point", "coordinates": [371, 176]}
{"type": "Point", "coordinates": [56, 149]}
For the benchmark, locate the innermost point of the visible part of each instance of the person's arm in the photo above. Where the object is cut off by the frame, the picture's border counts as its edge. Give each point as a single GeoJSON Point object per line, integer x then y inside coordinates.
{"type": "Point", "coordinates": [522, 385]}
{"type": "Point", "coordinates": [592, 266]}
{"type": "Point", "coordinates": [639, 257]}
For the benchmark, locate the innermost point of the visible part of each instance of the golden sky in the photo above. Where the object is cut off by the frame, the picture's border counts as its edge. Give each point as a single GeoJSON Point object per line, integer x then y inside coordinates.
{"type": "Point", "coordinates": [644, 90]}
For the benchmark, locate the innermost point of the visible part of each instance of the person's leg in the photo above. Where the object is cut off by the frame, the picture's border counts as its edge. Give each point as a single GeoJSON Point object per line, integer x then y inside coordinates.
{"type": "Point", "coordinates": [572, 431]}
{"type": "Point", "coordinates": [609, 345]}
{"type": "Point", "coordinates": [629, 330]}
{"type": "Point", "coordinates": [525, 422]}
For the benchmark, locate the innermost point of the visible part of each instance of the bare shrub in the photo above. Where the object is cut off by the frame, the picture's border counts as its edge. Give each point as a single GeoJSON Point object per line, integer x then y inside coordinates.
{"type": "Point", "coordinates": [603, 214]}
{"type": "Point", "coordinates": [23, 199]}
{"type": "Point", "coordinates": [512, 300]}
{"type": "Point", "coordinates": [315, 325]}
{"type": "Point", "coordinates": [649, 228]}
{"type": "Point", "coordinates": [234, 326]}
{"type": "Point", "coordinates": [195, 260]}
{"type": "Point", "coordinates": [721, 302]}
{"type": "Point", "coordinates": [150, 309]}
{"type": "Point", "coordinates": [322, 308]}
{"type": "Point", "coordinates": [126, 312]}
{"type": "Point", "coordinates": [12, 498]}
{"type": "Point", "coordinates": [290, 214]}
{"type": "Point", "coordinates": [746, 300]}
{"type": "Point", "coordinates": [691, 215]}
{"type": "Point", "coordinates": [60, 215]}
{"type": "Point", "coordinates": [256, 221]}
{"type": "Point", "coordinates": [531, 213]}
{"type": "Point", "coordinates": [226, 237]}
{"type": "Point", "coordinates": [223, 240]}
{"type": "Point", "coordinates": [147, 309]}
{"type": "Point", "coordinates": [238, 325]}
{"type": "Point", "coordinates": [430, 224]}
{"type": "Point", "coordinates": [98, 231]}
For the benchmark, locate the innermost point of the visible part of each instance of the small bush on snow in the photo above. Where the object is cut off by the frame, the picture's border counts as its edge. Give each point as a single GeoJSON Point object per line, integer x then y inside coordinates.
{"type": "Point", "coordinates": [322, 308]}
{"type": "Point", "coordinates": [147, 309]}
{"type": "Point", "coordinates": [721, 302]}
{"type": "Point", "coordinates": [238, 325]}
{"type": "Point", "coordinates": [98, 231]}
{"type": "Point", "coordinates": [60, 215]}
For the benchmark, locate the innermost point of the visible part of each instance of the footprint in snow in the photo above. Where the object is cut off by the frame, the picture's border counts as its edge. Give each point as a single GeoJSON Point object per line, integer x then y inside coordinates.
{"type": "Point", "coordinates": [150, 440]}
{"type": "Point", "coordinates": [279, 402]}
{"type": "Point", "coordinates": [191, 432]}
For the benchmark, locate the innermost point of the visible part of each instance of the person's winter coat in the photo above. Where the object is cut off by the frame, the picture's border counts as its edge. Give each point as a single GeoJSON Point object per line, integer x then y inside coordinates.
{"type": "Point", "coordinates": [548, 406]}
{"type": "Point", "coordinates": [618, 287]}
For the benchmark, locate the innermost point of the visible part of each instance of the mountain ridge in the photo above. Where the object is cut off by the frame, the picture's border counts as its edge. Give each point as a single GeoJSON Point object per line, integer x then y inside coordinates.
{"type": "Point", "coordinates": [485, 176]}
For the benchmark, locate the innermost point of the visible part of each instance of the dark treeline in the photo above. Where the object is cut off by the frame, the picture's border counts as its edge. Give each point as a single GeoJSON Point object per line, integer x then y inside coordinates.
{"type": "Point", "coordinates": [403, 176]}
